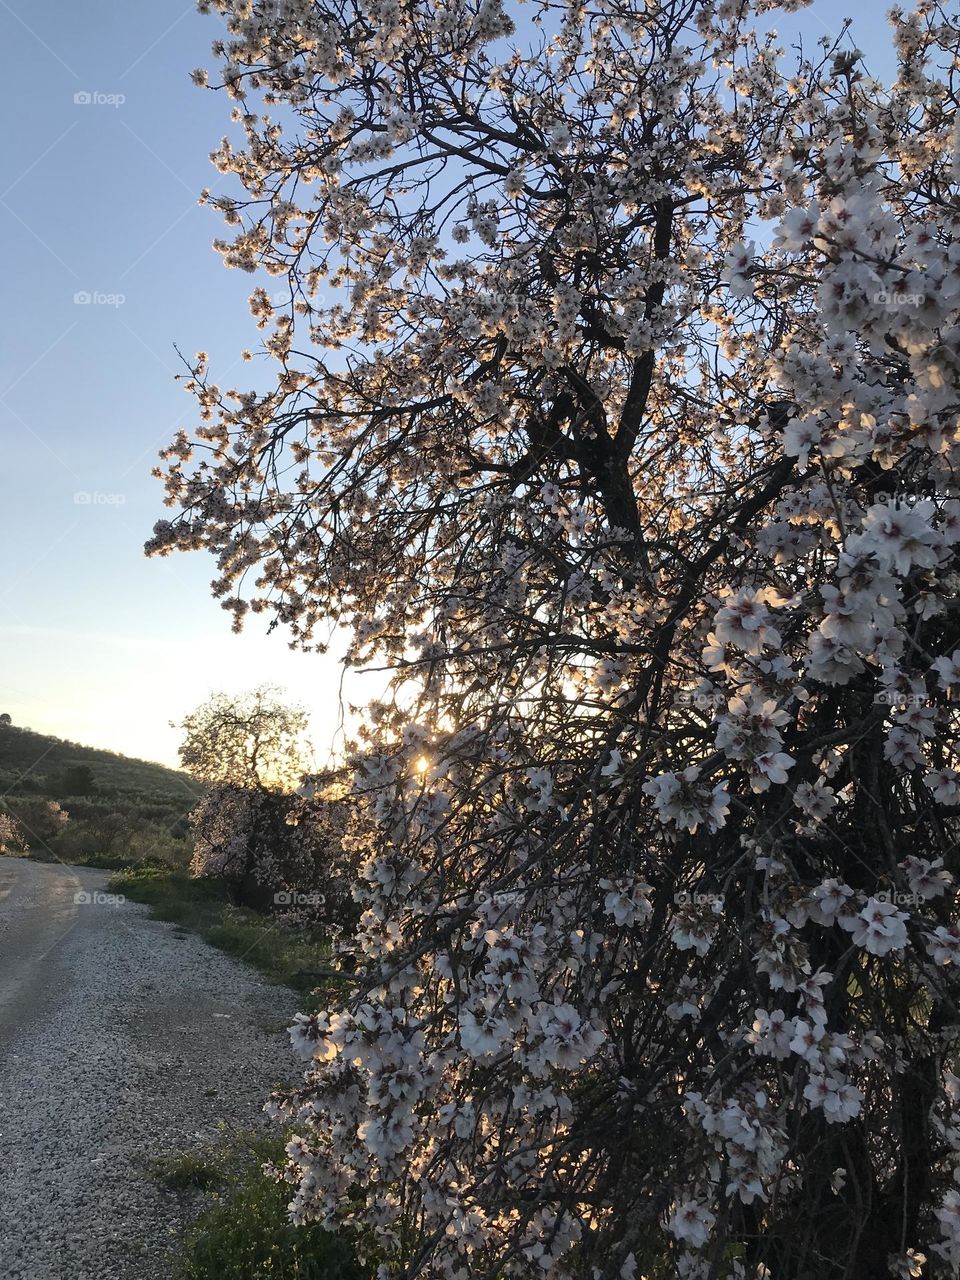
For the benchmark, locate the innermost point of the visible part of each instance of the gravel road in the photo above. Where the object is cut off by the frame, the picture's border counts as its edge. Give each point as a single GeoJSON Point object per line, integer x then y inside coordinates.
{"type": "Point", "coordinates": [121, 1039]}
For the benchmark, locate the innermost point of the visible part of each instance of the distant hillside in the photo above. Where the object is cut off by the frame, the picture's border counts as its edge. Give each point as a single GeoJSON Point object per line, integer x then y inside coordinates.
{"type": "Point", "coordinates": [82, 804]}
{"type": "Point", "coordinates": [37, 764]}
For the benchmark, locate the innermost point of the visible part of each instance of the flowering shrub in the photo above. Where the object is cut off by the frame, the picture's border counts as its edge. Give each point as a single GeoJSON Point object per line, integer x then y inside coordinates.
{"type": "Point", "coordinates": [12, 838]}
{"type": "Point", "coordinates": [275, 849]}
{"type": "Point", "coordinates": [628, 437]}
{"type": "Point", "coordinates": [36, 823]}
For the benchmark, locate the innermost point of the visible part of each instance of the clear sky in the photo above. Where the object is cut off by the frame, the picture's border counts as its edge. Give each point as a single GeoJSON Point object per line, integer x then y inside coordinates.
{"type": "Point", "coordinates": [105, 150]}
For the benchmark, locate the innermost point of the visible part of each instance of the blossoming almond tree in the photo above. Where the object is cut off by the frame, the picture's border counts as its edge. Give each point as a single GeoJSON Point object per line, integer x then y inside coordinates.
{"type": "Point", "coordinates": [617, 409]}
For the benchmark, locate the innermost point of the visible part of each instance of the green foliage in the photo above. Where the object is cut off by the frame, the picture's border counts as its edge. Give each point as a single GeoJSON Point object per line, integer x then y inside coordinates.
{"type": "Point", "coordinates": [293, 956]}
{"type": "Point", "coordinates": [245, 1234]}
{"type": "Point", "coordinates": [78, 780]}
{"type": "Point", "coordinates": [187, 1171]}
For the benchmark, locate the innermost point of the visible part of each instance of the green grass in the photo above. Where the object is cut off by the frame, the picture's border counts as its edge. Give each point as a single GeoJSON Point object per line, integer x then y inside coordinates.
{"type": "Point", "coordinates": [282, 954]}
{"type": "Point", "coordinates": [104, 861]}
{"type": "Point", "coordinates": [187, 1172]}
{"type": "Point", "coordinates": [245, 1233]}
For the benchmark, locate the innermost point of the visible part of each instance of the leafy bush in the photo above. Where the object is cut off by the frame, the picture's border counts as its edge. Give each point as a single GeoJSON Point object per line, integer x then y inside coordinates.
{"type": "Point", "coordinates": [78, 780]}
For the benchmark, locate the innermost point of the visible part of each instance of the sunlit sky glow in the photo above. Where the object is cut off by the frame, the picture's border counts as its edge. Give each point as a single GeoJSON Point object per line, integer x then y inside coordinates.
{"type": "Point", "coordinates": [99, 197]}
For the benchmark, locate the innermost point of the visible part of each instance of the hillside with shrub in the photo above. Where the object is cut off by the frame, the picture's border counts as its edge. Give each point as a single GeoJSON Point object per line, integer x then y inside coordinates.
{"type": "Point", "coordinates": [85, 804]}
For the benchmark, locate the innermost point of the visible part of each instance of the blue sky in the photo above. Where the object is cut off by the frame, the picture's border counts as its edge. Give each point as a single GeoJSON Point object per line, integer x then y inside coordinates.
{"type": "Point", "coordinates": [98, 197]}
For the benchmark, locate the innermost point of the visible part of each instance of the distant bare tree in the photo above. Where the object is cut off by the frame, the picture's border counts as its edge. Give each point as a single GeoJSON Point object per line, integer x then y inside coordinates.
{"type": "Point", "coordinates": [250, 740]}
